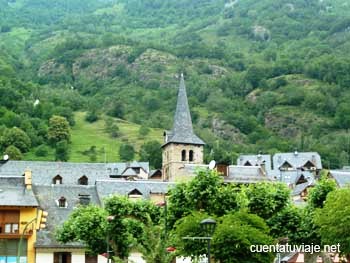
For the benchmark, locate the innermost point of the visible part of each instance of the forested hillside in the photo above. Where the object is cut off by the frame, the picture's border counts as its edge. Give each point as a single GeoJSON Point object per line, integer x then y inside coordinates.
{"type": "Point", "coordinates": [267, 75]}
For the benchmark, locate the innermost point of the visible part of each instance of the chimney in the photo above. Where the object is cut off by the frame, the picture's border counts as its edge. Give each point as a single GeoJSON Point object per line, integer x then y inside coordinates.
{"type": "Point", "coordinates": [28, 179]}
{"type": "Point", "coordinates": [84, 199]}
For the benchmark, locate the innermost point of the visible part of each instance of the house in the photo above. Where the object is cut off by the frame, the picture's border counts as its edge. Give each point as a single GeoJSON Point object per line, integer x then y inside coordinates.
{"type": "Point", "coordinates": [341, 177]}
{"type": "Point", "coordinates": [19, 219]}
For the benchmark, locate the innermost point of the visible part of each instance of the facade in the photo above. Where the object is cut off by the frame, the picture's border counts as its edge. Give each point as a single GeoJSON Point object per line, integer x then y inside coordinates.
{"type": "Point", "coordinates": [181, 145]}
{"type": "Point", "coordinates": [18, 219]}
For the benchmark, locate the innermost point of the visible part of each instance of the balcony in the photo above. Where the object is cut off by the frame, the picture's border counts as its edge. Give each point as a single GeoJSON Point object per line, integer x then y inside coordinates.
{"type": "Point", "coordinates": [11, 230]}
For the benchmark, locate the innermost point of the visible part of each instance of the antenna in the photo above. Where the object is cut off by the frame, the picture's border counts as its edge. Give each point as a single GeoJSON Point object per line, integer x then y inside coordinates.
{"type": "Point", "coordinates": [212, 164]}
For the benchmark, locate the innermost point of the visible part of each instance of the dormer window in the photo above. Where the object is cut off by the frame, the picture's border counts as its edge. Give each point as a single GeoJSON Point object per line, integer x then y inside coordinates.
{"type": "Point", "coordinates": [286, 166]}
{"type": "Point", "coordinates": [115, 171]}
{"type": "Point", "coordinates": [57, 179]}
{"type": "Point", "coordinates": [191, 156]}
{"type": "Point", "coordinates": [183, 155]}
{"type": "Point", "coordinates": [83, 180]}
{"type": "Point", "coordinates": [247, 163]}
{"type": "Point", "coordinates": [109, 170]}
{"type": "Point", "coordinates": [135, 194]}
{"type": "Point", "coordinates": [62, 202]}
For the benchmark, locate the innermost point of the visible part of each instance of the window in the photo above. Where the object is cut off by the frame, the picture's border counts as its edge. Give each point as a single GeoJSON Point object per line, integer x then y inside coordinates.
{"type": "Point", "coordinates": [62, 202]}
{"type": "Point", "coordinates": [191, 156]}
{"type": "Point", "coordinates": [57, 179]}
{"type": "Point", "coordinates": [9, 222]}
{"type": "Point", "coordinates": [62, 257]}
{"type": "Point", "coordinates": [183, 155]}
{"type": "Point", "coordinates": [83, 180]}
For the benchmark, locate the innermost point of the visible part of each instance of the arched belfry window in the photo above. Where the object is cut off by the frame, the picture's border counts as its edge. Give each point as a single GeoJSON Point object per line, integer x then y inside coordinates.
{"type": "Point", "coordinates": [83, 180]}
{"type": "Point", "coordinates": [191, 156]}
{"type": "Point", "coordinates": [57, 179]}
{"type": "Point", "coordinates": [183, 155]}
{"type": "Point", "coordinates": [62, 202]}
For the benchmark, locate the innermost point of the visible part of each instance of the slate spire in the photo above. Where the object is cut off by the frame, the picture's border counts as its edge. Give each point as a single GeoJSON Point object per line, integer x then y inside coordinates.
{"type": "Point", "coordinates": [182, 131]}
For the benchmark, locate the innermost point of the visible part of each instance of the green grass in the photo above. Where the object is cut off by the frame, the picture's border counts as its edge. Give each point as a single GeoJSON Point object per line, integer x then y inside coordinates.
{"type": "Point", "coordinates": [84, 135]}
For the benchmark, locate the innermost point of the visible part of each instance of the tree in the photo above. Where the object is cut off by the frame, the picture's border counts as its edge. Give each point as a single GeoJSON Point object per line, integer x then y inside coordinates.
{"type": "Point", "coordinates": [206, 193]}
{"type": "Point", "coordinates": [231, 242]}
{"type": "Point", "coordinates": [234, 236]}
{"type": "Point", "coordinates": [121, 220]}
{"type": "Point", "coordinates": [333, 220]}
{"type": "Point", "coordinates": [319, 193]}
{"type": "Point", "coordinates": [16, 137]}
{"type": "Point", "coordinates": [62, 153]}
{"type": "Point", "coordinates": [150, 151]}
{"type": "Point", "coordinates": [266, 199]}
{"type": "Point", "coordinates": [59, 129]}
{"type": "Point", "coordinates": [126, 152]}
{"type": "Point", "coordinates": [13, 152]}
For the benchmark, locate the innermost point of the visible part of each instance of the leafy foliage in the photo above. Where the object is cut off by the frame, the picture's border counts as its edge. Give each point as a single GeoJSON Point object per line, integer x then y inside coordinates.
{"type": "Point", "coordinates": [332, 222]}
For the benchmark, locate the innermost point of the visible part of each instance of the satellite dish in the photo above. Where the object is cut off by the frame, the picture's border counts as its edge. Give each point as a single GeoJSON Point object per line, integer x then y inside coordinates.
{"type": "Point", "coordinates": [212, 164]}
{"type": "Point", "coordinates": [6, 157]}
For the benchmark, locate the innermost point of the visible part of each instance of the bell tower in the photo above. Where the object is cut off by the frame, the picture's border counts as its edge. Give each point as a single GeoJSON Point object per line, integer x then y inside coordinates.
{"type": "Point", "coordinates": [181, 146]}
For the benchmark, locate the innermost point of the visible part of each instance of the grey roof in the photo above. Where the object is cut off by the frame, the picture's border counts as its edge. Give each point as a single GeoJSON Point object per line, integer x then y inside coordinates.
{"type": "Point", "coordinates": [299, 188]}
{"type": "Point", "coordinates": [182, 131]}
{"type": "Point", "coordinates": [47, 197]}
{"type": "Point", "coordinates": [191, 168]}
{"type": "Point", "coordinates": [342, 178]}
{"type": "Point", "coordinates": [246, 174]}
{"type": "Point", "coordinates": [107, 188]}
{"type": "Point", "coordinates": [297, 159]}
{"type": "Point", "coordinates": [44, 172]}
{"type": "Point", "coordinates": [14, 193]}
{"type": "Point", "coordinates": [254, 160]}
{"type": "Point", "coordinates": [291, 177]}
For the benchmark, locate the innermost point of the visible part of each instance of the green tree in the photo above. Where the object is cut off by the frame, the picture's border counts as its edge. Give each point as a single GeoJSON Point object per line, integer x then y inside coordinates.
{"type": "Point", "coordinates": [206, 192]}
{"type": "Point", "coordinates": [332, 220]}
{"type": "Point", "coordinates": [13, 152]}
{"type": "Point", "coordinates": [62, 151]}
{"type": "Point", "coordinates": [143, 131]}
{"type": "Point", "coordinates": [266, 199]}
{"type": "Point", "coordinates": [42, 150]}
{"type": "Point", "coordinates": [16, 137]}
{"type": "Point", "coordinates": [319, 193]}
{"type": "Point", "coordinates": [234, 236]}
{"type": "Point", "coordinates": [58, 129]}
{"type": "Point", "coordinates": [151, 152]}
{"type": "Point", "coordinates": [126, 152]}
{"type": "Point", "coordinates": [121, 220]}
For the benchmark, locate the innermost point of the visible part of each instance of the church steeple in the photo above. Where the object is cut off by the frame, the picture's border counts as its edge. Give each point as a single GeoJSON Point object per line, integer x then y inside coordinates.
{"type": "Point", "coordinates": [181, 146]}
{"type": "Point", "coordinates": [182, 131]}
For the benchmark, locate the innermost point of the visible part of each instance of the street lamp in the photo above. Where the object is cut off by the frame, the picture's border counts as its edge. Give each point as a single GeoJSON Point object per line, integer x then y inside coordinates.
{"type": "Point", "coordinates": [208, 226]}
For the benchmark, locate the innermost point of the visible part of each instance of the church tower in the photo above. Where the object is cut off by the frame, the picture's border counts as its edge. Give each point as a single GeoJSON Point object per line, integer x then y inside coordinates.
{"type": "Point", "coordinates": [181, 146]}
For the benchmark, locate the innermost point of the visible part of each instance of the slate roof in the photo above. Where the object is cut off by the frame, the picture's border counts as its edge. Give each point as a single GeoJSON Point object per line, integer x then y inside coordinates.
{"type": "Point", "coordinates": [44, 172]}
{"type": "Point", "coordinates": [192, 168]}
{"type": "Point", "coordinates": [299, 188]}
{"type": "Point", "coordinates": [14, 193]}
{"type": "Point", "coordinates": [256, 160]}
{"type": "Point", "coordinates": [106, 188]}
{"type": "Point", "coordinates": [47, 197]}
{"type": "Point", "coordinates": [342, 178]}
{"type": "Point", "coordinates": [246, 174]}
{"type": "Point", "coordinates": [182, 131]}
{"type": "Point", "coordinates": [292, 176]}
{"type": "Point", "coordinates": [297, 159]}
